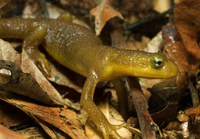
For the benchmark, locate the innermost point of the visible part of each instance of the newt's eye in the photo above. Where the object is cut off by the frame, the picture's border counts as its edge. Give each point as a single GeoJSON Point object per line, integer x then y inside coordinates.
{"type": "Point", "coordinates": [157, 61]}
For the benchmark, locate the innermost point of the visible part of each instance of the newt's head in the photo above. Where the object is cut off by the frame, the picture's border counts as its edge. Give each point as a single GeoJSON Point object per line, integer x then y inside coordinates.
{"type": "Point", "coordinates": [143, 64]}
{"type": "Point", "coordinates": [157, 65]}
{"type": "Point", "coordinates": [161, 67]}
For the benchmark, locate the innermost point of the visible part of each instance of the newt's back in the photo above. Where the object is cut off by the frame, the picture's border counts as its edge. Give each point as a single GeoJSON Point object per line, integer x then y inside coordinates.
{"type": "Point", "coordinates": [68, 43]}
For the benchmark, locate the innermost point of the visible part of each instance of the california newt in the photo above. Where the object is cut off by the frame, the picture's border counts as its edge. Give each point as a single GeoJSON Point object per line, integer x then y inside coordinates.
{"type": "Point", "coordinates": [80, 50]}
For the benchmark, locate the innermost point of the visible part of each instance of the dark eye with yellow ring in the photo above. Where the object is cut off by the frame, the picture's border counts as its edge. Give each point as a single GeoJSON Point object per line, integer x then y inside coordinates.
{"type": "Point", "coordinates": [157, 61]}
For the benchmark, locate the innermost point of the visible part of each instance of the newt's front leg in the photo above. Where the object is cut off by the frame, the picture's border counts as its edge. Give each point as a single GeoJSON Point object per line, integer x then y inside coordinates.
{"type": "Point", "coordinates": [31, 43]}
{"type": "Point", "coordinates": [94, 113]}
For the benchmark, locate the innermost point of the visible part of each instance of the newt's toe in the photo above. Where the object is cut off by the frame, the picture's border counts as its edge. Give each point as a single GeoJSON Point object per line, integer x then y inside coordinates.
{"type": "Point", "coordinates": [43, 64]}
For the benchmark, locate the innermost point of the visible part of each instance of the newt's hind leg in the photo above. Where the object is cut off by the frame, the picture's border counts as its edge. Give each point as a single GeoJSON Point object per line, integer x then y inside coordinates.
{"type": "Point", "coordinates": [122, 97]}
{"type": "Point", "coordinates": [94, 113]}
{"type": "Point", "coordinates": [31, 44]}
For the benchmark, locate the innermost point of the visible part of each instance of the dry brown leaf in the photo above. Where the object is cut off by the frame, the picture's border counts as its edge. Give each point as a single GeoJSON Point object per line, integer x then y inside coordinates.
{"type": "Point", "coordinates": [103, 13]}
{"type": "Point", "coordinates": [162, 93]}
{"type": "Point", "coordinates": [6, 133]}
{"type": "Point", "coordinates": [62, 118]}
{"type": "Point", "coordinates": [183, 44]}
{"type": "Point", "coordinates": [173, 126]}
{"type": "Point", "coordinates": [182, 117]}
{"type": "Point", "coordinates": [190, 122]}
{"type": "Point", "coordinates": [175, 49]}
{"type": "Point", "coordinates": [168, 113]}
{"type": "Point", "coordinates": [133, 44]}
{"type": "Point", "coordinates": [156, 43]}
{"type": "Point", "coordinates": [33, 132]}
{"type": "Point", "coordinates": [161, 5]}
{"type": "Point", "coordinates": [27, 66]}
{"type": "Point", "coordinates": [182, 40]}
{"type": "Point", "coordinates": [11, 117]}
{"type": "Point", "coordinates": [187, 18]}
{"type": "Point", "coordinates": [8, 53]}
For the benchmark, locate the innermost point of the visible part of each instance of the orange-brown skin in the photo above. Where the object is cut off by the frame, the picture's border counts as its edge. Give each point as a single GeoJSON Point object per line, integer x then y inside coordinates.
{"type": "Point", "coordinates": [81, 51]}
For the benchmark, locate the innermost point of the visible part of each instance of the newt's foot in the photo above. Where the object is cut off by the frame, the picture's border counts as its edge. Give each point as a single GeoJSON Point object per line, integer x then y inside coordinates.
{"type": "Point", "coordinates": [121, 126]}
{"type": "Point", "coordinates": [109, 130]}
{"type": "Point", "coordinates": [41, 61]}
